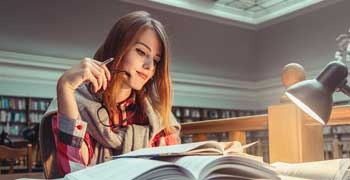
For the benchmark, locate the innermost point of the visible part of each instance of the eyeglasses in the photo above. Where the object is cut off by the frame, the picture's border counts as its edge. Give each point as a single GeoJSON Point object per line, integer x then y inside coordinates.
{"type": "Point", "coordinates": [105, 118]}
{"type": "Point", "coordinates": [102, 112]}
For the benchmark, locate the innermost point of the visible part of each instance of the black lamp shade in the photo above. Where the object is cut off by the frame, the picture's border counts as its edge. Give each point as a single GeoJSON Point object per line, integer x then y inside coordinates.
{"type": "Point", "coordinates": [314, 97]}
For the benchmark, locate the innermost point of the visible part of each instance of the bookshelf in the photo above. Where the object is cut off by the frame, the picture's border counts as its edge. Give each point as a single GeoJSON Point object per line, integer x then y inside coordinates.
{"type": "Point", "coordinates": [36, 108]}
{"type": "Point", "coordinates": [18, 113]}
{"type": "Point", "coordinates": [18, 116]}
{"type": "Point", "coordinates": [336, 141]}
{"type": "Point", "coordinates": [12, 114]}
{"type": "Point", "coordinates": [194, 114]}
{"type": "Point", "coordinates": [336, 137]}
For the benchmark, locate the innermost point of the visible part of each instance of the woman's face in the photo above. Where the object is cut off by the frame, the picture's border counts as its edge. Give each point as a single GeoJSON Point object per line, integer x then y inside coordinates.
{"type": "Point", "coordinates": [141, 59]}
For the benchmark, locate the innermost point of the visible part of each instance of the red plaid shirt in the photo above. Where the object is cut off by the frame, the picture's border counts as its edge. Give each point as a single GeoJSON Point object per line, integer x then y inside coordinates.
{"type": "Point", "coordinates": [70, 134]}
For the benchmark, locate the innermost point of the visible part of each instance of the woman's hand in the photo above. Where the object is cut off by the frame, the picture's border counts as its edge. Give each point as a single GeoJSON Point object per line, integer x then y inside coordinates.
{"type": "Point", "coordinates": [88, 70]}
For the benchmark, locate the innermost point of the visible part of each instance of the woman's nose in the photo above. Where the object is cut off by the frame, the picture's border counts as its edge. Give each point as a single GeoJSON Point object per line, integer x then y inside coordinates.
{"type": "Point", "coordinates": [149, 63]}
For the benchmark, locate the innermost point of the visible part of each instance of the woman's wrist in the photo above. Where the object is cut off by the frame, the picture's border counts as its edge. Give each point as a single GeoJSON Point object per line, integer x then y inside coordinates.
{"type": "Point", "coordinates": [66, 99]}
{"type": "Point", "coordinates": [64, 85]}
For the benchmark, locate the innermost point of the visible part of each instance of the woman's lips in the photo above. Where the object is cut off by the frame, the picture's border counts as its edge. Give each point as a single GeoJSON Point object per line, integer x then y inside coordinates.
{"type": "Point", "coordinates": [143, 76]}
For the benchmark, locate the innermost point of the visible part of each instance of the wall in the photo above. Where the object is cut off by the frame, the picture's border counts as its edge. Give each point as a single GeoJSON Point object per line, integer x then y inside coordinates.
{"type": "Point", "coordinates": [37, 37]}
{"type": "Point", "coordinates": [308, 40]}
{"type": "Point", "coordinates": [213, 65]}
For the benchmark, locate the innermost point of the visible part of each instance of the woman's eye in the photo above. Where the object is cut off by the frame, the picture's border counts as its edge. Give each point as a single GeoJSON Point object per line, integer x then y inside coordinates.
{"type": "Point", "coordinates": [140, 52]}
{"type": "Point", "coordinates": [155, 62]}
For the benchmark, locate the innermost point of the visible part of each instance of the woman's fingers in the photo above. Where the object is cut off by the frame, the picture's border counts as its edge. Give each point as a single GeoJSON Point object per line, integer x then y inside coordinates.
{"type": "Point", "coordinates": [104, 67]}
{"type": "Point", "coordinates": [94, 81]}
{"type": "Point", "coordinates": [107, 73]}
{"type": "Point", "coordinates": [100, 73]}
{"type": "Point", "coordinates": [89, 73]}
{"type": "Point", "coordinates": [87, 70]}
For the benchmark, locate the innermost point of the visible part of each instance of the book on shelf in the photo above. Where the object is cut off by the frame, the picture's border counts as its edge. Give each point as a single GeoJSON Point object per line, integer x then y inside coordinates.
{"type": "Point", "coordinates": [12, 103]}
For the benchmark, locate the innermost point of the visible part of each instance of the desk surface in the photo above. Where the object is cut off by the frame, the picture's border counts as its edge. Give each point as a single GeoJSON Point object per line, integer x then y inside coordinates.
{"type": "Point", "coordinates": [37, 175]}
{"type": "Point", "coordinates": [17, 142]}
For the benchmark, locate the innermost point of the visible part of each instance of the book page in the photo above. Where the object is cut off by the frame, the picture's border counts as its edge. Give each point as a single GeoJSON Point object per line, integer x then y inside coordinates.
{"type": "Point", "coordinates": [249, 156]}
{"type": "Point", "coordinates": [221, 176]}
{"type": "Point", "coordinates": [195, 164]}
{"type": "Point", "coordinates": [127, 169]}
{"type": "Point", "coordinates": [244, 171]}
{"type": "Point", "coordinates": [210, 147]}
{"type": "Point", "coordinates": [328, 170]}
{"type": "Point", "coordinates": [291, 178]}
{"type": "Point", "coordinates": [237, 147]}
{"type": "Point", "coordinates": [203, 166]}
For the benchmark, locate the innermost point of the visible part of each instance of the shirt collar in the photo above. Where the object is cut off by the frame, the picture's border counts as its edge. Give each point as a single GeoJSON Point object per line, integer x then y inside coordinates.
{"type": "Point", "coordinates": [130, 100]}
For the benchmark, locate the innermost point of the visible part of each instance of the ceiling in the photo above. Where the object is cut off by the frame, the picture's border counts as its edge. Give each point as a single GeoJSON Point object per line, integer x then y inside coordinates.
{"type": "Point", "coordinates": [252, 14]}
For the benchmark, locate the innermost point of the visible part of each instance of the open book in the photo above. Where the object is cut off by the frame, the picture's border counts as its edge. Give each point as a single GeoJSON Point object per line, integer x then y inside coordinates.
{"type": "Point", "coordinates": [197, 148]}
{"type": "Point", "coordinates": [192, 161]}
{"type": "Point", "coordinates": [177, 168]}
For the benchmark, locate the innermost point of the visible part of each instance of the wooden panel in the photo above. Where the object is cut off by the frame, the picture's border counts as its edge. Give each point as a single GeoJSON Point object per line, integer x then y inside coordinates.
{"type": "Point", "coordinates": [199, 137]}
{"type": "Point", "coordinates": [340, 115]}
{"type": "Point", "coordinates": [290, 140]}
{"type": "Point", "coordinates": [246, 123]}
{"type": "Point", "coordinates": [237, 136]}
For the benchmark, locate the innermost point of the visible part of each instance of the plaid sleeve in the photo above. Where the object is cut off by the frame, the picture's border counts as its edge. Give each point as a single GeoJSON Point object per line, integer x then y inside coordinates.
{"type": "Point", "coordinates": [71, 132]}
{"type": "Point", "coordinates": [172, 139]}
{"type": "Point", "coordinates": [163, 139]}
{"type": "Point", "coordinates": [69, 136]}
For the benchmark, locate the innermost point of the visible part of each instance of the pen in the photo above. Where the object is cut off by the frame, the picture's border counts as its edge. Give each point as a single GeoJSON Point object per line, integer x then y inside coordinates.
{"type": "Point", "coordinates": [107, 61]}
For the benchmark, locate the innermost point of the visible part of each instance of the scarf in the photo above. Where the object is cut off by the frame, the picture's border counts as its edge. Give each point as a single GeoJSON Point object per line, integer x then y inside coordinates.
{"type": "Point", "coordinates": [108, 142]}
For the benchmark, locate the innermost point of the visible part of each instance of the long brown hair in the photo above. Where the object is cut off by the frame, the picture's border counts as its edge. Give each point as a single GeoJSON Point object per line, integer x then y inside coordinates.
{"type": "Point", "coordinates": [158, 90]}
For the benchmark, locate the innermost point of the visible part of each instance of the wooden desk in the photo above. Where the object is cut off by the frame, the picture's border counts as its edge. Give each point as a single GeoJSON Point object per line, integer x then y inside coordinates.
{"type": "Point", "coordinates": [38, 175]}
{"type": "Point", "coordinates": [17, 142]}
{"type": "Point", "coordinates": [14, 153]}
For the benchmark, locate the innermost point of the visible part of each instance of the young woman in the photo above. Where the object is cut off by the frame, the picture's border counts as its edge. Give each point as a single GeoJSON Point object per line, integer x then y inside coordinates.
{"type": "Point", "coordinates": [105, 109]}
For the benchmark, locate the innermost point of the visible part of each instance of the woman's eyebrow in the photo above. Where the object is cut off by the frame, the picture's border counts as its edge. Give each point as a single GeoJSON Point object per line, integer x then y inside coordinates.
{"type": "Point", "coordinates": [139, 42]}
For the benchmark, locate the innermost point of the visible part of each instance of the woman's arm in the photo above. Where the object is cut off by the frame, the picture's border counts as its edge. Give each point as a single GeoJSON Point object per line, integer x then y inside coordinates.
{"type": "Point", "coordinates": [88, 70]}
{"type": "Point", "coordinates": [71, 155]}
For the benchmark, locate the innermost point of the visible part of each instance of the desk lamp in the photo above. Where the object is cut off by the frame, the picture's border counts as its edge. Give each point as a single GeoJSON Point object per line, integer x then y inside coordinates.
{"type": "Point", "coordinates": [314, 97]}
